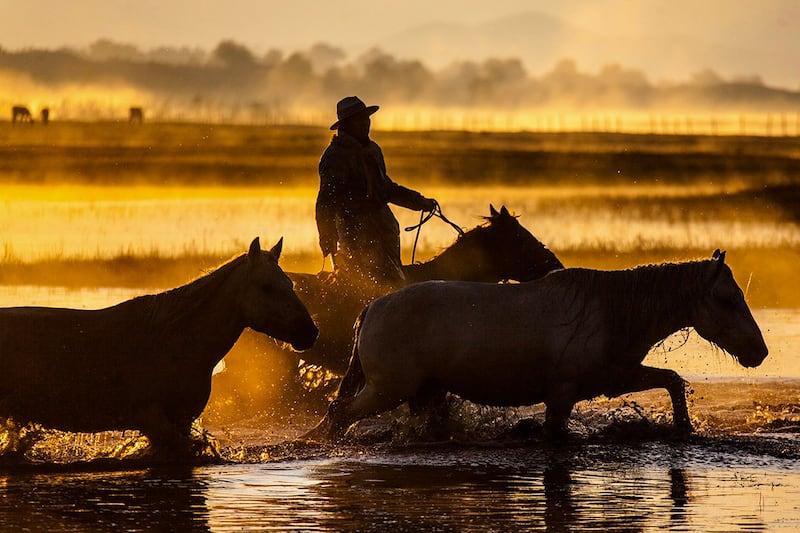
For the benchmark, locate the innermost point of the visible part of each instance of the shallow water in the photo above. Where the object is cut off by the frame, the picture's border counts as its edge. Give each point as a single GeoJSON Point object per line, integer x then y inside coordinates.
{"type": "Point", "coordinates": [644, 486]}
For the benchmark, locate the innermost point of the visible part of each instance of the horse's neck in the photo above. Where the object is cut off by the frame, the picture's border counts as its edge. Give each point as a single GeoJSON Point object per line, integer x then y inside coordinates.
{"type": "Point", "coordinates": [421, 272]}
{"type": "Point", "coordinates": [202, 313]}
{"type": "Point", "coordinates": [459, 262]}
{"type": "Point", "coordinates": [651, 303]}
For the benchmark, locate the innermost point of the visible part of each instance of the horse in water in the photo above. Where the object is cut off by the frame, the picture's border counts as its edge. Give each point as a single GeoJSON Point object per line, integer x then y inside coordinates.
{"type": "Point", "coordinates": [146, 363]}
{"type": "Point", "coordinates": [572, 336]}
{"type": "Point", "coordinates": [501, 249]}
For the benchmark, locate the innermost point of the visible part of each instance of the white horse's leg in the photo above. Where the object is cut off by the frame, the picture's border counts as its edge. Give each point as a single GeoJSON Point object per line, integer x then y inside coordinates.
{"type": "Point", "coordinates": [430, 400]}
{"type": "Point", "coordinates": [646, 378]}
{"type": "Point", "coordinates": [371, 400]}
{"type": "Point", "coordinates": [431, 407]}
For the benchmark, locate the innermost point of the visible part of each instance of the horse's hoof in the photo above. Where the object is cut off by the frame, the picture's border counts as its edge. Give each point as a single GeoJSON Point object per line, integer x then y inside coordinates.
{"type": "Point", "coordinates": [684, 428]}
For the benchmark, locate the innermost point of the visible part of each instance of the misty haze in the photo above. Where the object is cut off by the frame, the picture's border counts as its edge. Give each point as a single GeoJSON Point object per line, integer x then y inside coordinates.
{"type": "Point", "coordinates": [231, 83]}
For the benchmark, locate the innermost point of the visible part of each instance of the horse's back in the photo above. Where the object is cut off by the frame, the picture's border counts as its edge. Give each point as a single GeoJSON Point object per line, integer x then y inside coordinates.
{"type": "Point", "coordinates": [41, 327]}
{"type": "Point", "coordinates": [46, 349]}
{"type": "Point", "coordinates": [476, 338]}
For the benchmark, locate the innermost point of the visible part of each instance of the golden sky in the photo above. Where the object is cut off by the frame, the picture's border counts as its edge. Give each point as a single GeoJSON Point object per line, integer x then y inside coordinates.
{"type": "Point", "coordinates": [675, 38]}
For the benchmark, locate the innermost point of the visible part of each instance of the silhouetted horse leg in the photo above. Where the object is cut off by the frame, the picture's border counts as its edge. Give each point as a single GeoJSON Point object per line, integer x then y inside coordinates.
{"type": "Point", "coordinates": [560, 401]}
{"type": "Point", "coordinates": [646, 378]}
{"type": "Point", "coordinates": [334, 424]}
{"type": "Point", "coordinates": [430, 403]}
{"type": "Point", "coordinates": [431, 399]}
{"type": "Point", "coordinates": [370, 401]}
{"type": "Point", "coordinates": [169, 439]}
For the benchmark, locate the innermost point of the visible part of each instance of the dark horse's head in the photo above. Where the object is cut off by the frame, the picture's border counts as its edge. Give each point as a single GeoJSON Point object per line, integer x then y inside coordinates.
{"type": "Point", "coordinates": [723, 317]}
{"type": "Point", "coordinates": [269, 303]}
{"type": "Point", "coordinates": [500, 249]}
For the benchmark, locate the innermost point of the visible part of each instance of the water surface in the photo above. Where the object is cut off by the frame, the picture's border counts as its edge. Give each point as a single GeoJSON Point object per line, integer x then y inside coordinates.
{"type": "Point", "coordinates": [644, 486]}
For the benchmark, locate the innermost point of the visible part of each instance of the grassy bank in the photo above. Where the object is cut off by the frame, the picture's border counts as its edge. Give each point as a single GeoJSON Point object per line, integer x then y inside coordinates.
{"type": "Point", "coordinates": [162, 154]}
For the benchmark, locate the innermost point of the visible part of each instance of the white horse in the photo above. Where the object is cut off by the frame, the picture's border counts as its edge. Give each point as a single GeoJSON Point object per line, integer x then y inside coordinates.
{"type": "Point", "coordinates": [571, 336]}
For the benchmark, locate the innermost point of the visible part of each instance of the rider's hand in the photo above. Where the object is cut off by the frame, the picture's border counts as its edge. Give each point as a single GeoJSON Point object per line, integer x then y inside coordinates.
{"type": "Point", "coordinates": [428, 204]}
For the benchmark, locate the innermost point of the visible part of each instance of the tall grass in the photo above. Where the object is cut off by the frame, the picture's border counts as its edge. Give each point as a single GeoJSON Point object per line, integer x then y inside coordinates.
{"type": "Point", "coordinates": [137, 199]}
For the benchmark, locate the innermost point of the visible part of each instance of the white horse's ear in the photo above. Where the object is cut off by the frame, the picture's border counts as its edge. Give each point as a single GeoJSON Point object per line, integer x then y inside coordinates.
{"type": "Point", "coordinates": [255, 249]}
{"type": "Point", "coordinates": [493, 211]}
{"type": "Point", "coordinates": [276, 250]}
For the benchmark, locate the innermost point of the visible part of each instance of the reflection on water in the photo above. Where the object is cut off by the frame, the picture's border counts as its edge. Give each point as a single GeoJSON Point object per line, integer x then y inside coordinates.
{"type": "Point", "coordinates": [163, 500]}
{"type": "Point", "coordinates": [628, 487]}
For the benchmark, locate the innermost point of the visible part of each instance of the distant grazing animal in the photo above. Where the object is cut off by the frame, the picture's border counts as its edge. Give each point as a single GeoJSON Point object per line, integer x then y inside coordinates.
{"type": "Point", "coordinates": [146, 363]}
{"type": "Point", "coordinates": [21, 113]}
{"type": "Point", "coordinates": [135, 115]}
{"type": "Point", "coordinates": [571, 336]}
{"type": "Point", "coordinates": [45, 113]}
{"type": "Point", "coordinates": [501, 249]}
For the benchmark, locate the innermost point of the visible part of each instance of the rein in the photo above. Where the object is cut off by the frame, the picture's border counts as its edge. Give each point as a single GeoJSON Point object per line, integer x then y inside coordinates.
{"type": "Point", "coordinates": [424, 217]}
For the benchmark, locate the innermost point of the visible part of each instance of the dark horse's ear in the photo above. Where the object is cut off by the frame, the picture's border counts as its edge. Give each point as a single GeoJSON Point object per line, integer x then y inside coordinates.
{"type": "Point", "coordinates": [276, 250]}
{"type": "Point", "coordinates": [493, 211]}
{"type": "Point", "coordinates": [255, 249]}
{"type": "Point", "coordinates": [504, 212]}
{"type": "Point", "coordinates": [719, 256]}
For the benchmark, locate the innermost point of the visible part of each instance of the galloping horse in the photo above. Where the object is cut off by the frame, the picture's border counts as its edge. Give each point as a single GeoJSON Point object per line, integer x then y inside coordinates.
{"type": "Point", "coordinates": [145, 363]}
{"type": "Point", "coordinates": [571, 336]}
{"type": "Point", "coordinates": [501, 249]}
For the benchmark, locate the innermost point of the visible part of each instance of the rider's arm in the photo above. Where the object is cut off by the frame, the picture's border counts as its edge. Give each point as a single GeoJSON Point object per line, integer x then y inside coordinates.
{"type": "Point", "coordinates": [408, 198]}
{"type": "Point", "coordinates": [403, 196]}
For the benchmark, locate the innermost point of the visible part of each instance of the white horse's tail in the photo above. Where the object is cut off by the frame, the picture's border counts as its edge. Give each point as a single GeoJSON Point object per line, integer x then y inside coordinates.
{"type": "Point", "coordinates": [332, 427]}
{"type": "Point", "coordinates": [353, 381]}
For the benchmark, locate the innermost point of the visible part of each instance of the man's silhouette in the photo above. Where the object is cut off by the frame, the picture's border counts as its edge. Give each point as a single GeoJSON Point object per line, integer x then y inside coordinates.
{"type": "Point", "coordinates": [354, 221]}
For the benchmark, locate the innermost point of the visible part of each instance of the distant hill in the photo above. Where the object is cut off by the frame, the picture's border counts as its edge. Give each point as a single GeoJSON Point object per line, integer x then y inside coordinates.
{"type": "Point", "coordinates": [670, 51]}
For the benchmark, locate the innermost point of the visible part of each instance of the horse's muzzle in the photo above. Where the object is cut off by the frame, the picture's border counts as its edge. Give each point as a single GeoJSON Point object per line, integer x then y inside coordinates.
{"type": "Point", "coordinates": [756, 357]}
{"type": "Point", "coordinates": [307, 340]}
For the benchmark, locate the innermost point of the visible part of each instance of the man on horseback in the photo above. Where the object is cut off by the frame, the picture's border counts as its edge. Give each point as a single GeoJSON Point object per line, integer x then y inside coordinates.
{"type": "Point", "coordinates": [354, 221]}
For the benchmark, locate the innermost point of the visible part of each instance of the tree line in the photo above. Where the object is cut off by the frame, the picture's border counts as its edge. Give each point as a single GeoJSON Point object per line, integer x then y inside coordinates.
{"type": "Point", "coordinates": [233, 75]}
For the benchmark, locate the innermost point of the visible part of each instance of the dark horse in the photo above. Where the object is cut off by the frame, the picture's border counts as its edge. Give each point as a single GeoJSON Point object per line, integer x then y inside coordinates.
{"type": "Point", "coordinates": [571, 336]}
{"type": "Point", "coordinates": [146, 363]}
{"type": "Point", "coordinates": [501, 249]}
{"type": "Point", "coordinates": [20, 113]}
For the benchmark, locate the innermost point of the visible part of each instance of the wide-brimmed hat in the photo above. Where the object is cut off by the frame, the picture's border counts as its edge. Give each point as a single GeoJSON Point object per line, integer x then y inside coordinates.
{"type": "Point", "coordinates": [350, 106]}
